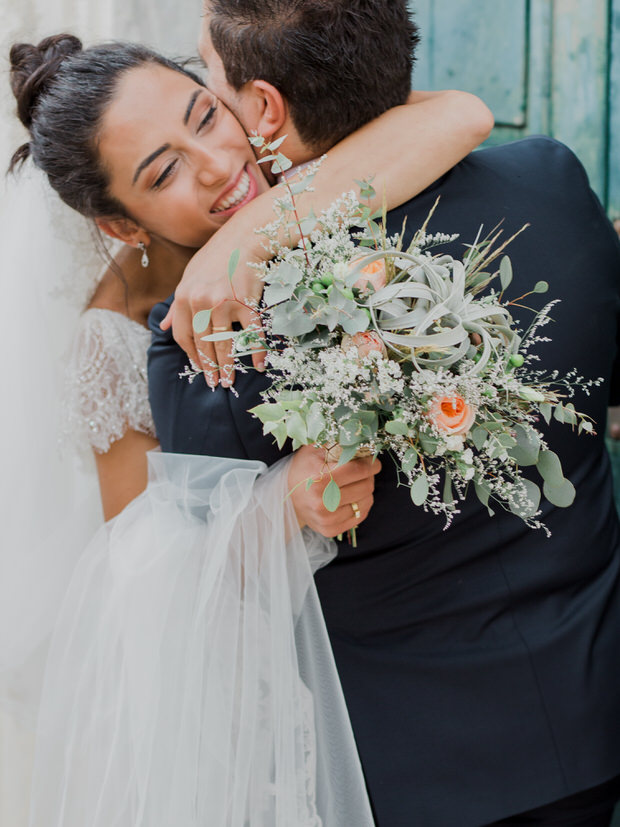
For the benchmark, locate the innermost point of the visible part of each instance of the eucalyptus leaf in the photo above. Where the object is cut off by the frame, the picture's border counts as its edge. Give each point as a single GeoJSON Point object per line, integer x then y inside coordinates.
{"type": "Point", "coordinates": [307, 225]}
{"type": "Point", "coordinates": [331, 496]}
{"type": "Point", "coordinates": [550, 468]}
{"type": "Point", "coordinates": [233, 261]}
{"type": "Point", "coordinates": [546, 411]}
{"type": "Point", "coordinates": [397, 427]}
{"type": "Point", "coordinates": [296, 428]}
{"type": "Point", "coordinates": [541, 287]}
{"type": "Point", "coordinates": [506, 441]}
{"type": "Point", "coordinates": [290, 319]}
{"type": "Point", "coordinates": [315, 422]}
{"type": "Point", "coordinates": [527, 448]}
{"type": "Point", "coordinates": [219, 337]}
{"type": "Point", "coordinates": [447, 496]}
{"type": "Point", "coordinates": [410, 460]}
{"type": "Point", "coordinates": [268, 412]}
{"type": "Point", "coordinates": [309, 483]}
{"type": "Point", "coordinates": [350, 432]}
{"type": "Point", "coordinates": [201, 321]}
{"type": "Point", "coordinates": [273, 145]}
{"type": "Point", "coordinates": [560, 494]}
{"type": "Point", "coordinates": [428, 443]}
{"type": "Point", "coordinates": [527, 510]}
{"type": "Point", "coordinates": [281, 164]}
{"type": "Point", "coordinates": [419, 489]}
{"type": "Point", "coordinates": [357, 323]}
{"type": "Point", "coordinates": [279, 432]}
{"type": "Point", "coordinates": [505, 272]}
{"type": "Point", "coordinates": [348, 453]}
{"type": "Point", "coordinates": [479, 437]}
{"type": "Point", "coordinates": [558, 412]}
{"type": "Point", "coordinates": [286, 273]}
{"type": "Point", "coordinates": [276, 293]}
{"type": "Point", "coordinates": [483, 493]}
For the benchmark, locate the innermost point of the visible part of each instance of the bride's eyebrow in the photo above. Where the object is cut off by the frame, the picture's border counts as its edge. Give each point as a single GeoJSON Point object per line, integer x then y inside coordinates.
{"type": "Point", "coordinates": [190, 105]}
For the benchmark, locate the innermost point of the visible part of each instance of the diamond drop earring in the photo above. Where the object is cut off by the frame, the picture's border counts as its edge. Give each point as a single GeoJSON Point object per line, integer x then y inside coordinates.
{"type": "Point", "coordinates": [144, 261]}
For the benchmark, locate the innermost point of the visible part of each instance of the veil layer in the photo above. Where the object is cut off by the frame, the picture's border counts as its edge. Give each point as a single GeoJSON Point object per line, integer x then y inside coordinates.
{"type": "Point", "coordinates": [190, 680]}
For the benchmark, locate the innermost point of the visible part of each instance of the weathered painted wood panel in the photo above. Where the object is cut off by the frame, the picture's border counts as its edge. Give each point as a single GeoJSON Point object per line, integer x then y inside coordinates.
{"type": "Point", "coordinates": [543, 66]}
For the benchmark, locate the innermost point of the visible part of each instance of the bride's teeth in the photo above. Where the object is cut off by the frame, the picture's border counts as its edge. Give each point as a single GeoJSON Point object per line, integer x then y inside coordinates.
{"type": "Point", "coordinates": [237, 196]}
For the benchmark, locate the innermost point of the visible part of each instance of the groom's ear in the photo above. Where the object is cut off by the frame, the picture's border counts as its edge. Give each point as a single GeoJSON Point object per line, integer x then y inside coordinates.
{"type": "Point", "coordinates": [123, 229]}
{"type": "Point", "coordinates": [271, 109]}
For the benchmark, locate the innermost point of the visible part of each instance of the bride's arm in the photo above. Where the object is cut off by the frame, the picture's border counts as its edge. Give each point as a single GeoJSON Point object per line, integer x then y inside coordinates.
{"type": "Point", "coordinates": [406, 149]}
{"type": "Point", "coordinates": [122, 471]}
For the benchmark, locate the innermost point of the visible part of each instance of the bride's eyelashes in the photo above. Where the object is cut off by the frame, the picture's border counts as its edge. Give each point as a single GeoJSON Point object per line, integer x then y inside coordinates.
{"type": "Point", "coordinates": [209, 115]}
{"type": "Point", "coordinates": [165, 174]}
{"type": "Point", "coordinates": [171, 166]}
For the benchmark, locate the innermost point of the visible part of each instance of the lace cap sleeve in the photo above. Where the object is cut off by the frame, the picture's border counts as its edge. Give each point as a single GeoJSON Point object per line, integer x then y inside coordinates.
{"type": "Point", "coordinates": [106, 382]}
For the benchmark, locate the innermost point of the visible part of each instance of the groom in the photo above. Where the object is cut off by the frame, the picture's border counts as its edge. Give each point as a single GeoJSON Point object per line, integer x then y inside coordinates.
{"type": "Point", "coordinates": [481, 665]}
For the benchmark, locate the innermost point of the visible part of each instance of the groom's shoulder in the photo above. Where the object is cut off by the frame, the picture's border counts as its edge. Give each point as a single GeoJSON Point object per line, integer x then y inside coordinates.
{"type": "Point", "coordinates": [532, 156]}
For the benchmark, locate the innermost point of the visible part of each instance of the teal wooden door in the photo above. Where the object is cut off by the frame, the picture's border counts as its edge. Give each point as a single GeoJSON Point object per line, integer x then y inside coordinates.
{"type": "Point", "coordinates": [543, 66]}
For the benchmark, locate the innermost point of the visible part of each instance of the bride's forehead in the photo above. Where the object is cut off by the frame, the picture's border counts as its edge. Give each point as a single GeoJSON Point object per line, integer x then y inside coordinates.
{"type": "Point", "coordinates": [150, 94]}
{"type": "Point", "coordinates": [152, 80]}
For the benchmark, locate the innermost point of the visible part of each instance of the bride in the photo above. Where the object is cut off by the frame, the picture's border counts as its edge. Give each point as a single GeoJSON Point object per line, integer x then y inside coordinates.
{"type": "Point", "coordinates": [189, 679]}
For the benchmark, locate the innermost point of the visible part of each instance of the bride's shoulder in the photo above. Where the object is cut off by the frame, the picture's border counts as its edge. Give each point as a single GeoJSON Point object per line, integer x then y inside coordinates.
{"type": "Point", "coordinates": [106, 382]}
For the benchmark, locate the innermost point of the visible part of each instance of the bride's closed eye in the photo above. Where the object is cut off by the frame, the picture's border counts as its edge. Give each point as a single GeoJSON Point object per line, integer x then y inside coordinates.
{"type": "Point", "coordinates": [208, 116]}
{"type": "Point", "coordinates": [165, 174]}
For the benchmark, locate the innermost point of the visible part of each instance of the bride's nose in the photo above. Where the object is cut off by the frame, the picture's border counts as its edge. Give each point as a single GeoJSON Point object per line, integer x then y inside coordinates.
{"type": "Point", "coordinates": [213, 166]}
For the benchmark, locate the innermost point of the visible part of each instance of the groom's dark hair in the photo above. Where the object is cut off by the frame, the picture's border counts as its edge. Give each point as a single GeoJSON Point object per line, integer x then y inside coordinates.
{"type": "Point", "coordinates": [338, 63]}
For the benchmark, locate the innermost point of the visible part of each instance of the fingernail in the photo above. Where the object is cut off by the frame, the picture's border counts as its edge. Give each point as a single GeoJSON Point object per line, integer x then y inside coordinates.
{"type": "Point", "coordinates": [261, 367]}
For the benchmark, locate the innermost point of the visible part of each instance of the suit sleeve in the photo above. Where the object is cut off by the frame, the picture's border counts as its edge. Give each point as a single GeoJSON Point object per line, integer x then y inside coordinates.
{"type": "Point", "coordinates": [190, 418]}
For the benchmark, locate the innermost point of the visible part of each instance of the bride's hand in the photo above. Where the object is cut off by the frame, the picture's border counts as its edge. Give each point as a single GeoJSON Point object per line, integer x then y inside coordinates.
{"type": "Point", "coordinates": [356, 480]}
{"type": "Point", "coordinates": [206, 285]}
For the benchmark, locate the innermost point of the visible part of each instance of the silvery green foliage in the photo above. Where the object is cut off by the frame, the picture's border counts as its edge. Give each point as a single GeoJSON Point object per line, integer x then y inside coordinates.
{"type": "Point", "coordinates": [364, 363]}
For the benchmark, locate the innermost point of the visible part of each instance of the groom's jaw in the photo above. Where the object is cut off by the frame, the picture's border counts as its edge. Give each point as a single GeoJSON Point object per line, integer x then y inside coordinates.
{"type": "Point", "coordinates": [242, 190]}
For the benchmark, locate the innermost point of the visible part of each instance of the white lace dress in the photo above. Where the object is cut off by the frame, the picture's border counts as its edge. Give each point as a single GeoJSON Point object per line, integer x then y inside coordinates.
{"type": "Point", "coordinates": [107, 391]}
{"type": "Point", "coordinates": [190, 679]}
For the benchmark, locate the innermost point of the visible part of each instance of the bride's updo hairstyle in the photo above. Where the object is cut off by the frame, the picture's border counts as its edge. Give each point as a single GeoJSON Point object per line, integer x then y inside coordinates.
{"type": "Point", "coordinates": [62, 93]}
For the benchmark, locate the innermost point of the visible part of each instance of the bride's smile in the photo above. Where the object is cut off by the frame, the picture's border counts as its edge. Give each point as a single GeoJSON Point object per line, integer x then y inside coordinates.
{"type": "Point", "coordinates": [177, 158]}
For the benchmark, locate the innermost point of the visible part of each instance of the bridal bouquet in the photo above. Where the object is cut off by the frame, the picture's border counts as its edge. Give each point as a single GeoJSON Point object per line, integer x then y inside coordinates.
{"type": "Point", "coordinates": [375, 348]}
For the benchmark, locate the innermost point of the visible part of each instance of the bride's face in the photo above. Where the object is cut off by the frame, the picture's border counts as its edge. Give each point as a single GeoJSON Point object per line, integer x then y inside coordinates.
{"type": "Point", "coordinates": [177, 159]}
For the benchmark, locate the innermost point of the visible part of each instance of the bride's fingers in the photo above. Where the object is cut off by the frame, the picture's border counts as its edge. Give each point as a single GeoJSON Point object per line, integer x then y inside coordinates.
{"type": "Point", "coordinates": [346, 517]}
{"type": "Point", "coordinates": [222, 322]}
{"type": "Point", "coordinates": [357, 491]}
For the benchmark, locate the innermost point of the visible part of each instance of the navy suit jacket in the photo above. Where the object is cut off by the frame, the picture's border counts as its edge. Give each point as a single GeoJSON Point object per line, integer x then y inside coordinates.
{"type": "Point", "coordinates": [481, 665]}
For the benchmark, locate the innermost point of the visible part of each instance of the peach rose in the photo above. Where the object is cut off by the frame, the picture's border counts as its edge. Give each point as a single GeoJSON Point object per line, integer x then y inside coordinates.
{"type": "Point", "coordinates": [365, 343]}
{"type": "Point", "coordinates": [372, 274]}
{"type": "Point", "coordinates": [451, 414]}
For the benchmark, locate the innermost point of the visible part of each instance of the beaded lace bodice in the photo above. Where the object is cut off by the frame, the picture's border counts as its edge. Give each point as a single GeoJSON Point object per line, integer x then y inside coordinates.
{"type": "Point", "coordinates": [107, 391]}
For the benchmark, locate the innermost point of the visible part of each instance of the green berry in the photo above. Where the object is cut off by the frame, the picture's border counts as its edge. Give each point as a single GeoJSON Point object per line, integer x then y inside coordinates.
{"type": "Point", "coordinates": [316, 287]}
{"type": "Point", "coordinates": [477, 357]}
{"type": "Point", "coordinates": [347, 292]}
{"type": "Point", "coordinates": [516, 360]}
{"type": "Point", "coordinates": [327, 279]}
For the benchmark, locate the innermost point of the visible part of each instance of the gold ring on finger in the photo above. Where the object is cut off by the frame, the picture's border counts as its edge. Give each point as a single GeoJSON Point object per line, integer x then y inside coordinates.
{"type": "Point", "coordinates": [356, 511]}
{"type": "Point", "coordinates": [221, 329]}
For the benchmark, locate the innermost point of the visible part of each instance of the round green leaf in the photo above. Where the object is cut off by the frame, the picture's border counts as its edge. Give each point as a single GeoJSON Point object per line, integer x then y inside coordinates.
{"type": "Point", "coordinates": [331, 496]}
{"type": "Point", "coordinates": [541, 287]}
{"type": "Point", "coordinates": [560, 494]}
{"type": "Point", "coordinates": [419, 490]}
{"type": "Point", "coordinates": [201, 320]}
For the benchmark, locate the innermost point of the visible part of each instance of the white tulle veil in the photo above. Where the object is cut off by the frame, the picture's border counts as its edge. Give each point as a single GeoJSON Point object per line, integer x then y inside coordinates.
{"type": "Point", "coordinates": [190, 679]}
